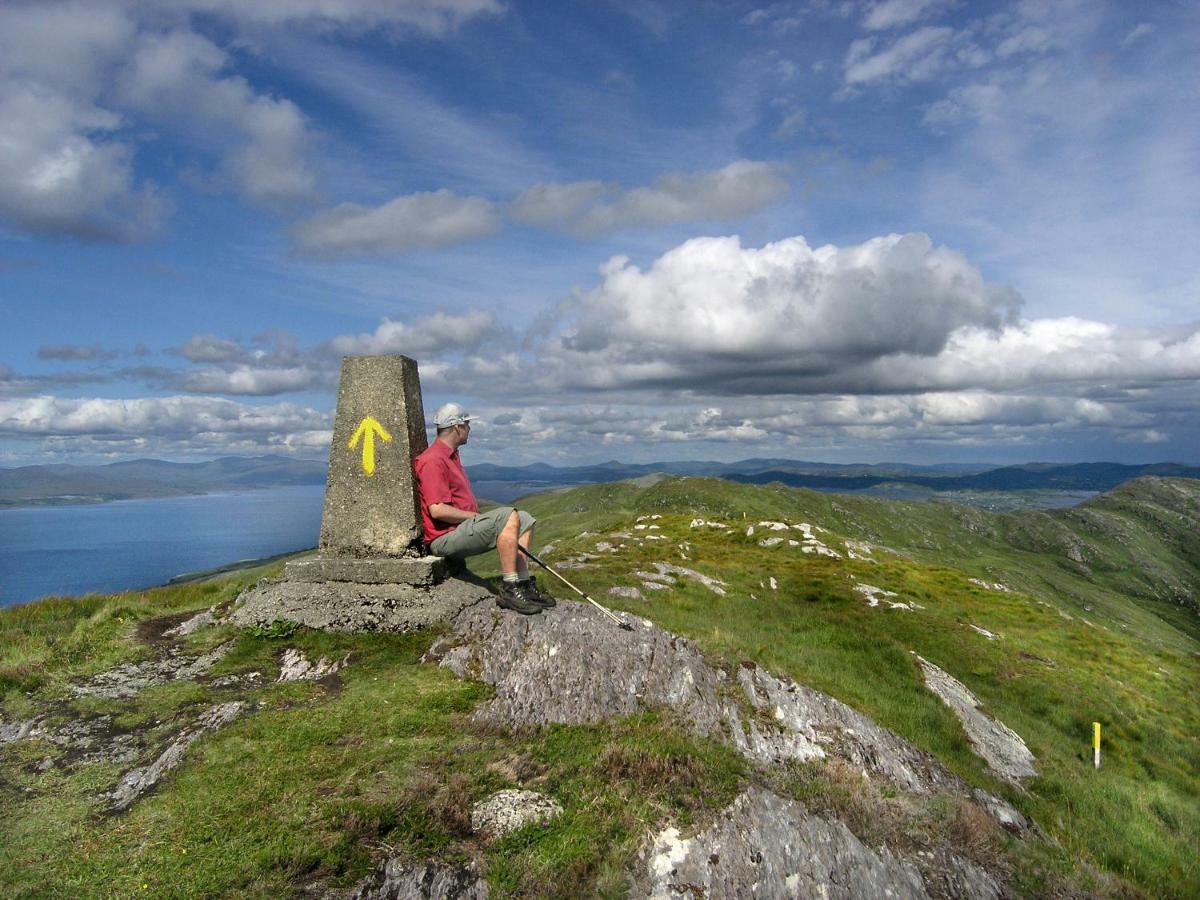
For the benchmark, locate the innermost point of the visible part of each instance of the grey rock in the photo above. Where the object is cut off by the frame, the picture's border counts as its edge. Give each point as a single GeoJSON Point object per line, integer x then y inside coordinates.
{"type": "Point", "coordinates": [195, 623]}
{"type": "Point", "coordinates": [509, 810]}
{"type": "Point", "coordinates": [713, 584]}
{"type": "Point", "coordinates": [948, 875]}
{"type": "Point", "coordinates": [295, 666]}
{"type": "Point", "coordinates": [579, 561]}
{"type": "Point", "coordinates": [11, 732]}
{"type": "Point", "coordinates": [240, 678]}
{"type": "Point", "coordinates": [995, 743]}
{"type": "Point", "coordinates": [137, 782]}
{"type": "Point", "coordinates": [630, 593]}
{"type": "Point", "coordinates": [374, 513]}
{"type": "Point", "coordinates": [90, 740]}
{"type": "Point", "coordinates": [764, 845]}
{"type": "Point", "coordinates": [129, 679]}
{"type": "Point", "coordinates": [1002, 811]}
{"type": "Point", "coordinates": [810, 724]}
{"type": "Point", "coordinates": [396, 879]}
{"type": "Point", "coordinates": [572, 665]}
{"type": "Point", "coordinates": [991, 585]}
{"type": "Point", "coordinates": [665, 580]}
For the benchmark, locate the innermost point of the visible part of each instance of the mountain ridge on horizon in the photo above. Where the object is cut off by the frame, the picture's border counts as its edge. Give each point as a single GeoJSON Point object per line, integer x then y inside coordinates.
{"type": "Point", "coordinates": [66, 483]}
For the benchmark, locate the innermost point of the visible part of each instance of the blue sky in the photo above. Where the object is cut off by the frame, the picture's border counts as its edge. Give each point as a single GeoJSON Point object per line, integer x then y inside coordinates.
{"type": "Point", "coordinates": [910, 230]}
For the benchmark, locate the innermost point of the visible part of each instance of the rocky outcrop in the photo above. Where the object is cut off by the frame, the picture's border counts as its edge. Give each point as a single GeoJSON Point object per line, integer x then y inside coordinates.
{"type": "Point", "coordinates": [11, 732]}
{"type": "Point", "coordinates": [396, 879]}
{"type": "Point", "coordinates": [295, 666]}
{"type": "Point", "coordinates": [806, 724]}
{"type": "Point", "coordinates": [130, 679]}
{"type": "Point", "coordinates": [507, 811]}
{"type": "Point", "coordinates": [86, 740]}
{"type": "Point", "coordinates": [993, 741]}
{"type": "Point", "coordinates": [573, 666]}
{"type": "Point", "coordinates": [136, 783]}
{"type": "Point", "coordinates": [764, 845]}
{"type": "Point", "coordinates": [202, 619]}
{"type": "Point", "coordinates": [664, 571]}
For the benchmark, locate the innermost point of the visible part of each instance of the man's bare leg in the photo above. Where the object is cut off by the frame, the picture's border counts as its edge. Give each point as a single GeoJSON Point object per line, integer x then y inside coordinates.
{"type": "Point", "coordinates": [525, 540]}
{"type": "Point", "coordinates": [506, 546]}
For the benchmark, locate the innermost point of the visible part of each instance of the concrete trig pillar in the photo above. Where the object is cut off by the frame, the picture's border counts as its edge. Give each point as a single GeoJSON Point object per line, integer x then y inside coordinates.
{"type": "Point", "coordinates": [378, 430]}
{"type": "Point", "coordinates": [369, 573]}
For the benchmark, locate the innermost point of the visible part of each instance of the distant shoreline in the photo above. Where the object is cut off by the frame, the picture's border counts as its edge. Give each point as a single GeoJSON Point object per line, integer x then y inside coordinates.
{"type": "Point", "coordinates": [99, 499]}
{"type": "Point", "coordinates": [206, 574]}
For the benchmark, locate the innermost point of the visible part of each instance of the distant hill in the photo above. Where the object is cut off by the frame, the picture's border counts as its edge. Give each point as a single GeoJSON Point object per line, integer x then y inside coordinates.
{"type": "Point", "coordinates": [61, 484]}
{"type": "Point", "coordinates": [1028, 477]}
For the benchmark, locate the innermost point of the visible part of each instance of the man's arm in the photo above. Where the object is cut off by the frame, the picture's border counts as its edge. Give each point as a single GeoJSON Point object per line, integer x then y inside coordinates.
{"type": "Point", "coordinates": [444, 512]}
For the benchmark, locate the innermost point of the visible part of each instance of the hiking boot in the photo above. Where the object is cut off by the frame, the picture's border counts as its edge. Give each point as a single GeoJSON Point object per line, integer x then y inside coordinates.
{"type": "Point", "coordinates": [537, 595]}
{"type": "Point", "coordinates": [516, 597]}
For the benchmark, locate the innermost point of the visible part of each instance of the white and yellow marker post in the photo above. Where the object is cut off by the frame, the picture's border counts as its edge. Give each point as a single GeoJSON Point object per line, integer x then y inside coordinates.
{"type": "Point", "coordinates": [1096, 743]}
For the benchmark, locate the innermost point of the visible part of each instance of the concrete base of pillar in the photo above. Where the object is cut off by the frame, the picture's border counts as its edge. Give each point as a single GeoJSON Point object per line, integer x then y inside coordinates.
{"type": "Point", "coordinates": [322, 596]}
{"type": "Point", "coordinates": [418, 571]}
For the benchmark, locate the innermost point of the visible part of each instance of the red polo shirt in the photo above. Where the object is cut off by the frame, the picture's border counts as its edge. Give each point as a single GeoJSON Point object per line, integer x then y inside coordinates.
{"type": "Point", "coordinates": [441, 479]}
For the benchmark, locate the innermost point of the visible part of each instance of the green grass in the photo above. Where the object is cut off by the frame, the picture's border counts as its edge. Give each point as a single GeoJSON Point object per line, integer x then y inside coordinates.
{"type": "Point", "coordinates": [315, 782]}
{"type": "Point", "coordinates": [1122, 662]}
{"type": "Point", "coordinates": [312, 783]}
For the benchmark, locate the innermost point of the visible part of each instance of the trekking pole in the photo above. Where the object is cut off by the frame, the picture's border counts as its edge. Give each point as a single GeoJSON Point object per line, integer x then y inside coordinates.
{"type": "Point", "coordinates": [607, 612]}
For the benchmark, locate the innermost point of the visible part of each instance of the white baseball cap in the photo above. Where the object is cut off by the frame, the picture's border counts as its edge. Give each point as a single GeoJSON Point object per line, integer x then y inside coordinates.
{"type": "Point", "coordinates": [450, 414]}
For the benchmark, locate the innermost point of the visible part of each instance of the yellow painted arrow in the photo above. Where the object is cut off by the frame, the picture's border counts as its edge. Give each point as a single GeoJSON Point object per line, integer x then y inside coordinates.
{"type": "Point", "coordinates": [367, 429]}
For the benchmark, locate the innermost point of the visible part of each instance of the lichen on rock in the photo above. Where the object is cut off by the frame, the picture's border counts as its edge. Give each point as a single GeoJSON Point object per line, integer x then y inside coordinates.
{"type": "Point", "coordinates": [764, 845]}
{"type": "Point", "coordinates": [509, 810]}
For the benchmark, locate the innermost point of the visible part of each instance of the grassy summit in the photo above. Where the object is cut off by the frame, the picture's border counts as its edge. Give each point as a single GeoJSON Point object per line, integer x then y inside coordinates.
{"type": "Point", "coordinates": [1089, 616]}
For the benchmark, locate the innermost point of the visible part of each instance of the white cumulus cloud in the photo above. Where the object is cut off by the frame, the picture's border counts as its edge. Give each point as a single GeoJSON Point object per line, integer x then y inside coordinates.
{"type": "Point", "coordinates": [63, 171]}
{"type": "Point", "coordinates": [712, 311]}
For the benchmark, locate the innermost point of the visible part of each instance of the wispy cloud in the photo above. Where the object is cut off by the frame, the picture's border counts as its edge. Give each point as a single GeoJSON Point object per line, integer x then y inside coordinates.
{"type": "Point", "coordinates": [416, 221]}
{"type": "Point", "coordinates": [895, 13]}
{"type": "Point", "coordinates": [591, 208]}
{"type": "Point", "coordinates": [74, 76]}
{"type": "Point", "coordinates": [436, 17]}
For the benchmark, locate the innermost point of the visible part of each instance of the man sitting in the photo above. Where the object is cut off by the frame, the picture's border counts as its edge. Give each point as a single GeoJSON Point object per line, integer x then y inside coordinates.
{"type": "Point", "coordinates": [455, 528]}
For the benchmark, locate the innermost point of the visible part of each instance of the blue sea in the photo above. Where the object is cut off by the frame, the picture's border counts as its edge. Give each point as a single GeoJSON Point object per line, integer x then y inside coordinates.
{"type": "Point", "coordinates": [132, 544]}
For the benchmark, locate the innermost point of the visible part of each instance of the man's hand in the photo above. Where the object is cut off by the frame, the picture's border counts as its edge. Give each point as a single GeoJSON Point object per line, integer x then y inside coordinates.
{"type": "Point", "coordinates": [444, 512]}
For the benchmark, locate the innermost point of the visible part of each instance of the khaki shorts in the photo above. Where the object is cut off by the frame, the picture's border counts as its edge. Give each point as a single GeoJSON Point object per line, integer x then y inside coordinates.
{"type": "Point", "coordinates": [478, 534]}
